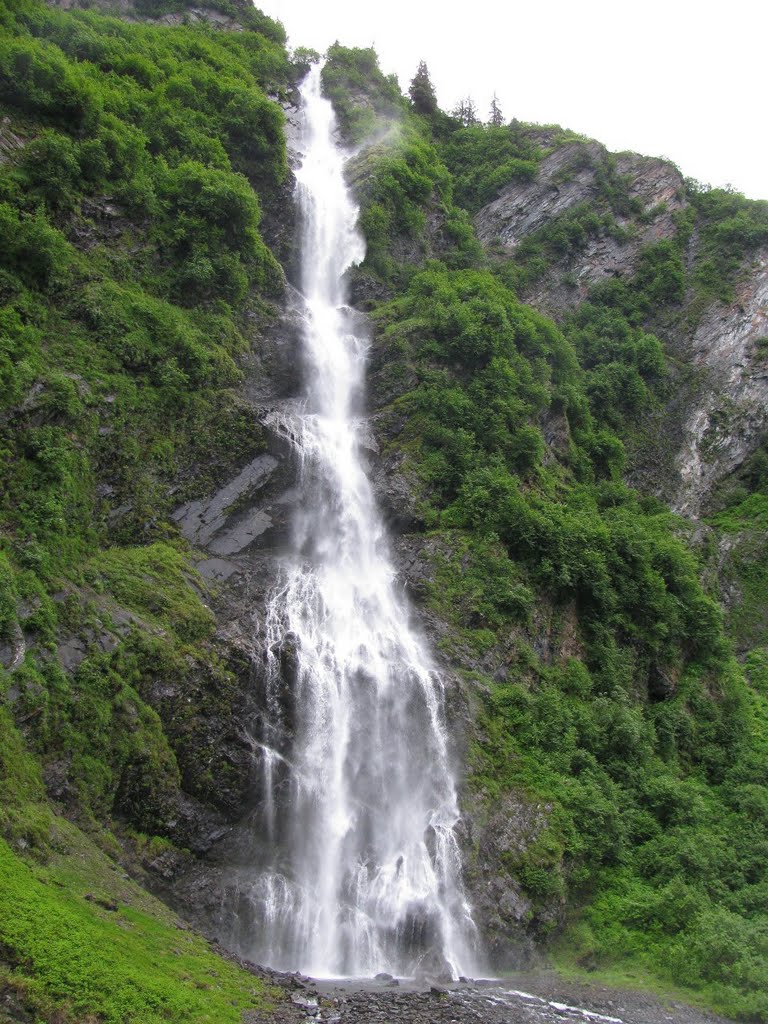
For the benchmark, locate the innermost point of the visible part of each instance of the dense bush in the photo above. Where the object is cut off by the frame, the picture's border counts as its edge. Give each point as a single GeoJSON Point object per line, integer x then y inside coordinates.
{"type": "Point", "coordinates": [643, 740]}
{"type": "Point", "coordinates": [730, 227]}
{"type": "Point", "coordinates": [484, 158]}
{"type": "Point", "coordinates": [131, 263]}
{"type": "Point", "coordinates": [365, 99]}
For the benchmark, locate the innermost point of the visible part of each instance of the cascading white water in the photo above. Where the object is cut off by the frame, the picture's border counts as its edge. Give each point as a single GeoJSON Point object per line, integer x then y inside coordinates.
{"type": "Point", "coordinates": [360, 804]}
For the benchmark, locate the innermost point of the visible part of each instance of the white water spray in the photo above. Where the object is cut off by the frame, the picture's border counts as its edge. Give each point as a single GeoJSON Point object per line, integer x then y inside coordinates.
{"type": "Point", "coordinates": [361, 806]}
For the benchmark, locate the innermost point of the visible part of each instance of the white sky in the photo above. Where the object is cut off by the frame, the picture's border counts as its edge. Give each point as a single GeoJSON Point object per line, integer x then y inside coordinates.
{"type": "Point", "coordinates": [685, 79]}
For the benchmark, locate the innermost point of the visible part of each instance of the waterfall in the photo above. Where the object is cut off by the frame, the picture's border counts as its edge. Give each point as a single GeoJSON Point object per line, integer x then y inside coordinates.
{"type": "Point", "coordinates": [360, 870]}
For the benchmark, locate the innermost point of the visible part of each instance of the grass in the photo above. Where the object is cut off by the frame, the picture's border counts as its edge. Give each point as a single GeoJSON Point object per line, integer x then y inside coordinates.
{"type": "Point", "coordinates": [83, 940]}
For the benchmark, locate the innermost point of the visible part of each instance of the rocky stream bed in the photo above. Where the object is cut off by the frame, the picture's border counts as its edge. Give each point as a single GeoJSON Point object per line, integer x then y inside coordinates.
{"type": "Point", "coordinates": [523, 998]}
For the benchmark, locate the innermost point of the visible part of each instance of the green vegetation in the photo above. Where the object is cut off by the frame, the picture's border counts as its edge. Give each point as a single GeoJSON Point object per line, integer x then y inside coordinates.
{"type": "Point", "coordinates": [731, 227]}
{"type": "Point", "coordinates": [137, 162]}
{"type": "Point", "coordinates": [132, 275]}
{"type": "Point", "coordinates": [93, 947]}
{"type": "Point", "coordinates": [608, 690]}
{"type": "Point", "coordinates": [484, 158]}
{"type": "Point", "coordinates": [408, 206]}
{"type": "Point", "coordinates": [131, 269]}
{"type": "Point", "coordinates": [649, 747]}
{"type": "Point", "coordinates": [364, 98]}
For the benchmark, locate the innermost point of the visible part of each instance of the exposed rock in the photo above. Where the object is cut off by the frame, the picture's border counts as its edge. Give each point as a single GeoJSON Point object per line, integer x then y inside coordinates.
{"type": "Point", "coordinates": [566, 178]}
{"type": "Point", "coordinates": [433, 970]}
{"type": "Point", "coordinates": [273, 367]}
{"type": "Point", "coordinates": [10, 141]}
{"type": "Point", "coordinates": [71, 653]}
{"type": "Point", "coordinates": [728, 421]}
{"type": "Point", "coordinates": [717, 416]}
{"type": "Point", "coordinates": [12, 654]}
{"type": "Point", "coordinates": [501, 910]}
{"type": "Point", "coordinates": [530, 998]}
{"type": "Point", "coordinates": [203, 521]}
{"type": "Point", "coordinates": [126, 9]}
{"type": "Point", "coordinates": [279, 223]}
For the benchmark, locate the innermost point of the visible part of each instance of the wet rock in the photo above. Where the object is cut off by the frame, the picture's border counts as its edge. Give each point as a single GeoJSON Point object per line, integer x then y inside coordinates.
{"type": "Point", "coordinates": [274, 366]}
{"type": "Point", "coordinates": [306, 1003]}
{"type": "Point", "coordinates": [490, 838]}
{"type": "Point", "coordinates": [432, 968]}
{"type": "Point", "coordinates": [202, 522]}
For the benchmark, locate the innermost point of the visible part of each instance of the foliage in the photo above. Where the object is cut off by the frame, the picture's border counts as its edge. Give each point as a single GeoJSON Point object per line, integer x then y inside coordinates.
{"type": "Point", "coordinates": [364, 98]}
{"type": "Point", "coordinates": [422, 92]}
{"type": "Point", "coordinates": [643, 739]}
{"type": "Point", "coordinates": [132, 274]}
{"type": "Point", "coordinates": [484, 158]}
{"type": "Point", "coordinates": [730, 227]}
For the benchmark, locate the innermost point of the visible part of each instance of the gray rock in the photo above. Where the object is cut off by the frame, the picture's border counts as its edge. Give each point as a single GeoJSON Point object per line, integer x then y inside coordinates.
{"type": "Point", "coordinates": [201, 520]}
{"type": "Point", "coordinates": [216, 568]}
{"type": "Point", "coordinates": [565, 179]}
{"type": "Point", "coordinates": [71, 653]}
{"type": "Point", "coordinates": [727, 420]}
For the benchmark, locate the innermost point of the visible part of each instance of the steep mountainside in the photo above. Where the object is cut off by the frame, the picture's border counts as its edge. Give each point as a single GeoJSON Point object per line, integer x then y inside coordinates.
{"type": "Point", "coordinates": [566, 344]}
{"type": "Point", "coordinates": [614, 737]}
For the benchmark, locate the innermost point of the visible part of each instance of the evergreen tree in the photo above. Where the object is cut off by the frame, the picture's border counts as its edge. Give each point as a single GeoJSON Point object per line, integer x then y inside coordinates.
{"type": "Point", "coordinates": [422, 92]}
{"type": "Point", "coordinates": [465, 111]}
{"type": "Point", "coordinates": [496, 118]}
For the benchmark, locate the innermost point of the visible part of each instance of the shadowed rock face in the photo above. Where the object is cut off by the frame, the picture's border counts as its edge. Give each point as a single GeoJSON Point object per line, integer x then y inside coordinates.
{"type": "Point", "coordinates": [126, 9]}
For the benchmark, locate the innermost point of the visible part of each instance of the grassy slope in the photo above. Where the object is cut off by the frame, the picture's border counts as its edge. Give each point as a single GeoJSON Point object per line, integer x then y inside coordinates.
{"type": "Point", "coordinates": [87, 944]}
{"type": "Point", "coordinates": [78, 939]}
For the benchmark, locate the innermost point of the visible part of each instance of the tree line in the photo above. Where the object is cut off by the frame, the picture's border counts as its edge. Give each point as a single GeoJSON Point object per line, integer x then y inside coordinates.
{"type": "Point", "coordinates": [424, 99]}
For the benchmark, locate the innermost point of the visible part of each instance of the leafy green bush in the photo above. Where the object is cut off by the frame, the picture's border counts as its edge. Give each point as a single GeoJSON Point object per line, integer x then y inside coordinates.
{"type": "Point", "coordinates": [730, 227]}
{"type": "Point", "coordinates": [484, 158]}
{"type": "Point", "coordinates": [34, 250]}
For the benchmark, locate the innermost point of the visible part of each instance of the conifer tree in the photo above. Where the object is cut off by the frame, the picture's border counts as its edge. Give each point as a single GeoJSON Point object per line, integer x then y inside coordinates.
{"type": "Point", "coordinates": [422, 92]}
{"type": "Point", "coordinates": [465, 111]}
{"type": "Point", "coordinates": [496, 118]}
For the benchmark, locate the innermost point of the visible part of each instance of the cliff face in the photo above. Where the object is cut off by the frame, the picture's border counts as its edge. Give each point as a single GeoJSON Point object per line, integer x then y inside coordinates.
{"type": "Point", "coordinates": [715, 420]}
{"type": "Point", "coordinates": [572, 176]}
{"type": "Point", "coordinates": [726, 421]}
{"type": "Point", "coordinates": [230, 15]}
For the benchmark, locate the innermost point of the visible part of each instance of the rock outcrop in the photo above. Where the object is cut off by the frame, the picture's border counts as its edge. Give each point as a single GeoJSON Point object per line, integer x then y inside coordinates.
{"type": "Point", "coordinates": [716, 416]}
{"type": "Point", "coordinates": [729, 347]}
{"type": "Point", "coordinates": [568, 177]}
